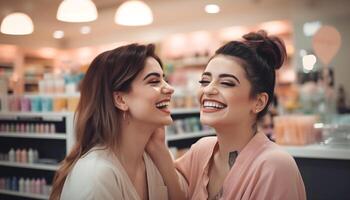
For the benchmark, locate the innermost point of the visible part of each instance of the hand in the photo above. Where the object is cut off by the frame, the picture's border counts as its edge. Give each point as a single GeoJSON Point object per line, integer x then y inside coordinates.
{"type": "Point", "coordinates": [157, 140]}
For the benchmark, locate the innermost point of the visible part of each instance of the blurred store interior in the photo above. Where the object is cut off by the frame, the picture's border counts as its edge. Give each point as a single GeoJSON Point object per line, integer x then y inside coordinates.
{"type": "Point", "coordinates": [40, 72]}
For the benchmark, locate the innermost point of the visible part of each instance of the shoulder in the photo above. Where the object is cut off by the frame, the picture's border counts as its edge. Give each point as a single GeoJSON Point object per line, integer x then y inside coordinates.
{"type": "Point", "coordinates": [275, 160]}
{"type": "Point", "coordinates": [205, 143]}
{"type": "Point", "coordinates": [90, 175]}
{"type": "Point", "coordinates": [93, 167]}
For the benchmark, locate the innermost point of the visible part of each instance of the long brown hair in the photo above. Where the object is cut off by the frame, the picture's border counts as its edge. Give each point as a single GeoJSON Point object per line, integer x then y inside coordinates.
{"type": "Point", "coordinates": [97, 120]}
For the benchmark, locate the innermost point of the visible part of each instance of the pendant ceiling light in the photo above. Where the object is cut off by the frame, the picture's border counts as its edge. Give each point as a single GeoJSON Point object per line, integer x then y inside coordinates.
{"type": "Point", "coordinates": [77, 11]}
{"type": "Point", "coordinates": [133, 13]}
{"type": "Point", "coordinates": [17, 24]}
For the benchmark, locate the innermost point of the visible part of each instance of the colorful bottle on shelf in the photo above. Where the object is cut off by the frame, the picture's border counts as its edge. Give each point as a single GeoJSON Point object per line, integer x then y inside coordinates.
{"type": "Point", "coordinates": [21, 187]}
{"type": "Point", "coordinates": [12, 155]}
{"type": "Point", "coordinates": [43, 186]}
{"type": "Point", "coordinates": [23, 156]}
{"type": "Point", "coordinates": [32, 185]}
{"type": "Point", "coordinates": [30, 156]}
{"type": "Point", "coordinates": [35, 156]}
{"type": "Point", "coordinates": [18, 155]}
{"type": "Point", "coordinates": [37, 187]}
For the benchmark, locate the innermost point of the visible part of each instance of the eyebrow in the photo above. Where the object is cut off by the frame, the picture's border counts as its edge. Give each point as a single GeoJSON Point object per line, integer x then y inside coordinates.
{"type": "Point", "coordinates": [222, 76]}
{"type": "Point", "coordinates": [153, 74]}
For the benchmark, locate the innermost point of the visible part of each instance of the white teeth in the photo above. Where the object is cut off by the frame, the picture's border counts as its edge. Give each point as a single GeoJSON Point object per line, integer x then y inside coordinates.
{"type": "Point", "coordinates": [163, 104]}
{"type": "Point", "coordinates": [213, 104]}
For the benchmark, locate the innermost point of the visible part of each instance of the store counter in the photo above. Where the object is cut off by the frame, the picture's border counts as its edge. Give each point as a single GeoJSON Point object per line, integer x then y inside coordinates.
{"type": "Point", "coordinates": [319, 151]}
{"type": "Point", "coordinates": [325, 170]}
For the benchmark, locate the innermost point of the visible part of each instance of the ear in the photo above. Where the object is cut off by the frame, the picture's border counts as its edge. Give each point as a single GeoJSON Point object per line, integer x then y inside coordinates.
{"type": "Point", "coordinates": [260, 103]}
{"type": "Point", "coordinates": [119, 101]}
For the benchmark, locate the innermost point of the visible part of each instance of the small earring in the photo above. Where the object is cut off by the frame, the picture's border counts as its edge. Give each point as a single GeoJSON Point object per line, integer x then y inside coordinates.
{"type": "Point", "coordinates": [124, 115]}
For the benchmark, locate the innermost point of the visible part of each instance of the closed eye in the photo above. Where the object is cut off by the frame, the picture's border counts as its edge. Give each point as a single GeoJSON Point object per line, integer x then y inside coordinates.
{"type": "Point", "coordinates": [230, 84]}
{"type": "Point", "coordinates": [204, 82]}
{"type": "Point", "coordinates": [154, 82]}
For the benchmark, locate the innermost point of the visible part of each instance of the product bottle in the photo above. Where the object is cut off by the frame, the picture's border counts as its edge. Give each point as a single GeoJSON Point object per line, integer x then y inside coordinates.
{"type": "Point", "coordinates": [21, 185]}
{"type": "Point", "coordinates": [32, 185]}
{"type": "Point", "coordinates": [18, 155]}
{"type": "Point", "coordinates": [2, 183]}
{"type": "Point", "coordinates": [30, 156]}
{"type": "Point", "coordinates": [24, 156]}
{"type": "Point", "coordinates": [14, 184]}
{"type": "Point", "coordinates": [37, 186]}
{"type": "Point", "coordinates": [12, 155]}
{"type": "Point", "coordinates": [52, 128]}
{"type": "Point", "coordinates": [7, 184]}
{"type": "Point", "coordinates": [27, 185]}
{"type": "Point", "coordinates": [43, 186]}
{"type": "Point", "coordinates": [35, 156]}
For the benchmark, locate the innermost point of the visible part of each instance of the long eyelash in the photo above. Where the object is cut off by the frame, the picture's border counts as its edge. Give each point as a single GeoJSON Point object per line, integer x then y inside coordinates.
{"type": "Point", "coordinates": [203, 81]}
{"type": "Point", "coordinates": [154, 82]}
{"type": "Point", "coordinates": [228, 84]}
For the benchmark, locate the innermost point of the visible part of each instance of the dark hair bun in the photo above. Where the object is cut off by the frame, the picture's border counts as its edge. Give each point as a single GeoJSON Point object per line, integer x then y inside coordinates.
{"type": "Point", "coordinates": [269, 48]}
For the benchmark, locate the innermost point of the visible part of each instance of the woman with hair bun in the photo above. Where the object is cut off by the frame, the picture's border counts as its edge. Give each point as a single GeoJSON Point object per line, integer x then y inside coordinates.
{"type": "Point", "coordinates": [237, 87]}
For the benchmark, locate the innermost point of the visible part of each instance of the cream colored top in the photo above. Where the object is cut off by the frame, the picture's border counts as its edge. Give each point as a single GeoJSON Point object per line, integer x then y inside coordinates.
{"type": "Point", "coordinates": [99, 175]}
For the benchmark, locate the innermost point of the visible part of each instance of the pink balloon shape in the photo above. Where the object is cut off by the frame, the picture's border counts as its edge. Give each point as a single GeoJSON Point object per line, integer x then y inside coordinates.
{"type": "Point", "coordinates": [326, 43]}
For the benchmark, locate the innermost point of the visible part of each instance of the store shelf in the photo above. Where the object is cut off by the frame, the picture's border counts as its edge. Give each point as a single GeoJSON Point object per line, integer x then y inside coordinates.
{"type": "Point", "coordinates": [21, 194]}
{"type": "Point", "coordinates": [319, 151]}
{"type": "Point", "coordinates": [54, 136]}
{"type": "Point", "coordinates": [48, 116]}
{"type": "Point", "coordinates": [184, 111]}
{"type": "Point", "coordinates": [182, 136]}
{"type": "Point", "coordinates": [29, 166]}
{"type": "Point", "coordinates": [53, 95]}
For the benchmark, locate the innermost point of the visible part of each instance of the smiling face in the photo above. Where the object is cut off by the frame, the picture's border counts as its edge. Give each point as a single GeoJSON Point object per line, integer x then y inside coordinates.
{"type": "Point", "coordinates": [224, 94]}
{"type": "Point", "coordinates": [150, 94]}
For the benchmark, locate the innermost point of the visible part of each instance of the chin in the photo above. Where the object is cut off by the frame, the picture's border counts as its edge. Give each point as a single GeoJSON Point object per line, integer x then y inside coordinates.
{"type": "Point", "coordinates": [166, 121]}
{"type": "Point", "coordinates": [208, 121]}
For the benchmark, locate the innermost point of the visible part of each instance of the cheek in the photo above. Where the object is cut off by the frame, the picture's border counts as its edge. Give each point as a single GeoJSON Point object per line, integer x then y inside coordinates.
{"type": "Point", "coordinates": [239, 102]}
{"type": "Point", "coordinates": [199, 94]}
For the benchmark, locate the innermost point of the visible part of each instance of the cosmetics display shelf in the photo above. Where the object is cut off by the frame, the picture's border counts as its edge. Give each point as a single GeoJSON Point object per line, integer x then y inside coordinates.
{"type": "Point", "coordinates": [22, 194]}
{"type": "Point", "coordinates": [47, 116]}
{"type": "Point", "coordinates": [50, 133]}
{"type": "Point", "coordinates": [29, 166]}
{"type": "Point", "coordinates": [54, 136]}
{"type": "Point", "coordinates": [190, 135]}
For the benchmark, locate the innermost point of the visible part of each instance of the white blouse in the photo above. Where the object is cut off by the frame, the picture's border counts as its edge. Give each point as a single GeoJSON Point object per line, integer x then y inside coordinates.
{"type": "Point", "coordinates": [99, 175]}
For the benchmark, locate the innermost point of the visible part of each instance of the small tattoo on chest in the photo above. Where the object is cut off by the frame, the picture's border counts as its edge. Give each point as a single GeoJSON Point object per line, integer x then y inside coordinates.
{"type": "Point", "coordinates": [232, 158]}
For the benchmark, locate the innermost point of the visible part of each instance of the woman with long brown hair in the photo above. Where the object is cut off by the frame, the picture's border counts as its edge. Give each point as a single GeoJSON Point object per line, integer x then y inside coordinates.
{"type": "Point", "coordinates": [124, 99]}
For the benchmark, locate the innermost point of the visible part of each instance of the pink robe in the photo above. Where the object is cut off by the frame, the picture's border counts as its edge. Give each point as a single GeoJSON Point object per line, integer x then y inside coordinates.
{"type": "Point", "coordinates": [262, 171]}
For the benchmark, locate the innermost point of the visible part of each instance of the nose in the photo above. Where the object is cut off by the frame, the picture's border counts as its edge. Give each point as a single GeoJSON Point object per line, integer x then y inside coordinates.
{"type": "Point", "coordinates": [210, 89]}
{"type": "Point", "coordinates": [167, 89]}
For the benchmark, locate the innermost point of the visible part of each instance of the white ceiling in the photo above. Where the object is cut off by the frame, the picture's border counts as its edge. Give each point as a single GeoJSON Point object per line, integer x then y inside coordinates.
{"type": "Point", "coordinates": [170, 16]}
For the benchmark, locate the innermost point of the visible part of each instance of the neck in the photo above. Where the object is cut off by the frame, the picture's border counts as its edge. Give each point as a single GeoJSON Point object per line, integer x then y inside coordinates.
{"type": "Point", "coordinates": [132, 142]}
{"type": "Point", "coordinates": [233, 138]}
